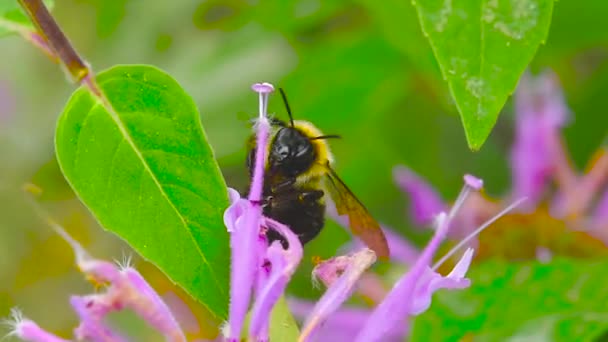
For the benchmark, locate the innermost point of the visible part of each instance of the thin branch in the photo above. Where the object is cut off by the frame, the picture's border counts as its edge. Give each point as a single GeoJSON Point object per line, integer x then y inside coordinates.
{"type": "Point", "coordinates": [52, 38]}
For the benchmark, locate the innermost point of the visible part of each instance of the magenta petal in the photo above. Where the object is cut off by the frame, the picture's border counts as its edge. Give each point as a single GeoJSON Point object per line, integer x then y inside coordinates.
{"type": "Point", "coordinates": [432, 281]}
{"type": "Point", "coordinates": [245, 260]}
{"type": "Point", "coordinates": [425, 203]}
{"type": "Point", "coordinates": [92, 327]}
{"type": "Point", "coordinates": [398, 302]}
{"type": "Point", "coordinates": [283, 264]}
{"type": "Point", "coordinates": [243, 220]}
{"type": "Point", "coordinates": [149, 306]}
{"type": "Point", "coordinates": [343, 324]}
{"type": "Point", "coordinates": [541, 112]}
{"type": "Point", "coordinates": [338, 292]}
{"type": "Point", "coordinates": [28, 330]}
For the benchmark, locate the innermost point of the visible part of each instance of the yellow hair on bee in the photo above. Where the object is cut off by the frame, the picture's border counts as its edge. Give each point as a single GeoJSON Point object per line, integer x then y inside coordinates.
{"type": "Point", "coordinates": [322, 152]}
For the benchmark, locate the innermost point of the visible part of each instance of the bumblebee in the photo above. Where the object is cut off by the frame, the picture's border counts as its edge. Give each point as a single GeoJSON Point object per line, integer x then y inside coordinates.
{"type": "Point", "coordinates": [298, 174]}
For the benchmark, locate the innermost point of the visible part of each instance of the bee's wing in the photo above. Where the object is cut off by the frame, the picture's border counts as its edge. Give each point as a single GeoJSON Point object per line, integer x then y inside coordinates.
{"type": "Point", "coordinates": [362, 224]}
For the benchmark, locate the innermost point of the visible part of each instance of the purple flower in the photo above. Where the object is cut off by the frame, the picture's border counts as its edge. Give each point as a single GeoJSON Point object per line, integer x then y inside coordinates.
{"type": "Point", "coordinates": [91, 311]}
{"type": "Point", "coordinates": [411, 295]}
{"type": "Point", "coordinates": [432, 281]}
{"type": "Point", "coordinates": [538, 158]}
{"type": "Point", "coordinates": [267, 269]}
{"type": "Point", "coordinates": [28, 330]}
{"type": "Point", "coordinates": [126, 288]}
{"type": "Point", "coordinates": [343, 324]}
{"type": "Point", "coordinates": [537, 151]}
{"type": "Point", "coordinates": [410, 289]}
{"type": "Point", "coordinates": [243, 221]}
{"type": "Point", "coordinates": [279, 266]}
{"type": "Point", "coordinates": [425, 202]}
{"type": "Point", "coordinates": [340, 275]}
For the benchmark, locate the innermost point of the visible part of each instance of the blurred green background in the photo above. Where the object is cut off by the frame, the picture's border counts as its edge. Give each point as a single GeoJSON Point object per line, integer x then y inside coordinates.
{"type": "Point", "coordinates": [361, 69]}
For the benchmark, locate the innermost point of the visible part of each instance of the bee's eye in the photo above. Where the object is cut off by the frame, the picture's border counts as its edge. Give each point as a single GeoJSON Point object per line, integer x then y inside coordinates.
{"type": "Point", "coordinates": [291, 153]}
{"type": "Point", "coordinates": [282, 151]}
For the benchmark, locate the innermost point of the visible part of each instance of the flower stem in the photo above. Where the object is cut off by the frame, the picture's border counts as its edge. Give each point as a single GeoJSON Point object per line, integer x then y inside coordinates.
{"type": "Point", "coordinates": [53, 39]}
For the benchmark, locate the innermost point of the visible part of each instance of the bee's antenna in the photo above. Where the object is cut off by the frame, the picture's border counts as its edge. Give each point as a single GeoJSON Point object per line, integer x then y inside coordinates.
{"type": "Point", "coordinates": [329, 136]}
{"type": "Point", "coordinates": [287, 106]}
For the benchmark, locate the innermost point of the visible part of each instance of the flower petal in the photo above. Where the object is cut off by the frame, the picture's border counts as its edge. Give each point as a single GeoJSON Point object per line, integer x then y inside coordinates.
{"type": "Point", "coordinates": [398, 303]}
{"type": "Point", "coordinates": [243, 222]}
{"type": "Point", "coordinates": [425, 202]}
{"type": "Point", "coordinates": [148, 305]}
{"type": "Point", "coordinates": [432, 281]}
{"type": "Point", "coordinates": [92, 328]}
{"type": "Point", "coordinates": [541, 112]}
{"type": "Point", "coordinates": [283, 264]}
{"type": "Point", "coordinates": [338, 292]}
{"type": "Point", "coordinates": [245, 260]}
{"type": "Point", "coordinates": [343, 324]}
{"type": "Point", "coordinates": [28, 330]}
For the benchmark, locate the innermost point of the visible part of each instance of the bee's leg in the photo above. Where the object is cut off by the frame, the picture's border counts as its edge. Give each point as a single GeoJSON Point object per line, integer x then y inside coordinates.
{"type": "Point", "coordinates": [263, 202]}
{"type": "Point", "coordinates": [310, 195]}
{"type": "Point", "coordinates": [286, 185]}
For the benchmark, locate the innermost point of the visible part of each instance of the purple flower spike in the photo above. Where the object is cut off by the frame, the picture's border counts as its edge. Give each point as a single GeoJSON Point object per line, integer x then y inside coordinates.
{"type": "Point", "coordinates": [338, 292]}
{"type": "Point", "coordinates": [27, 330]}
{"type": "Point", "coordinates": [425, 202]}
{"type": "Point", "coordinates": [282, 264]}
{"type": "Point", "coordinates": [398, 303]}
{"type": "Point", "coordinates": [537, 152]}
{"type": "Point", "coordinates": [243, 220]}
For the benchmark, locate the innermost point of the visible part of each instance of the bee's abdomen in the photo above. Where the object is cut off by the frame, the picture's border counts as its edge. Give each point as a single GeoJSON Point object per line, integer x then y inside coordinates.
{"type": "Point", "coordinates": [303, 211]}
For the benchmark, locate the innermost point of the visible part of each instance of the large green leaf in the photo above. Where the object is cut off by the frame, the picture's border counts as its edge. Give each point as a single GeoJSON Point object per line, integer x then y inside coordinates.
{"type": "Point", "coordinates": [564, 300]}
{"type": "Point", "coordinates": [483, 47]}
{"type": "Point", "coordinates": [283, 326]}
{"type": "Point", "coordinates": [148, 174]}
{"type": "Point", "coordinates": [13, 19]}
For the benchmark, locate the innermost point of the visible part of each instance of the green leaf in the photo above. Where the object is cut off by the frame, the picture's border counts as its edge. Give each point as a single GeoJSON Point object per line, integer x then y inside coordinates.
{"type": "Point", "coordinates": [283, 326]}
{"type": "Point", "coordinates": [14, 20]}
{"type": "Point", "coordinates": [567, 298]}
{"type": "Point", "coordinates": [483, 47]}
{"type": "Point", "coordinates": [148, 174]}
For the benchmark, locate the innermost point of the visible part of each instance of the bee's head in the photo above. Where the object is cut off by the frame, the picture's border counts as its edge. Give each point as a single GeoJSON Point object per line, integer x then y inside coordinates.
{"type": "Point", "coordinates": [291, 152]}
